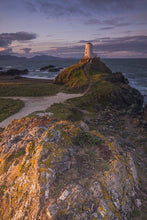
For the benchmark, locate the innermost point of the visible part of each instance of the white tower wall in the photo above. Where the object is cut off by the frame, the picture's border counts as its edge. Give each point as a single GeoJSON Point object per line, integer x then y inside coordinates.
{"type": "Point", "coordinates": [88, 50]}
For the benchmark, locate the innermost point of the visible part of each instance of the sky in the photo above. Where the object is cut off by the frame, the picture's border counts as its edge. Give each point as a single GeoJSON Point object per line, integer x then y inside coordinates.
{"type": "Point", "coordinates": [116, 28]}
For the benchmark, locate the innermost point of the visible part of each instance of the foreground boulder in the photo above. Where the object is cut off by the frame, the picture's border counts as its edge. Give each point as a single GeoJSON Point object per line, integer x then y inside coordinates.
{"type": "Point", "coordinates": [60, 170]}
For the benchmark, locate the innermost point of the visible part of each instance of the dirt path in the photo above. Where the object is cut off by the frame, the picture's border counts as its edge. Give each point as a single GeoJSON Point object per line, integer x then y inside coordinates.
{"type": "Point", "coordinates": [32, 104]}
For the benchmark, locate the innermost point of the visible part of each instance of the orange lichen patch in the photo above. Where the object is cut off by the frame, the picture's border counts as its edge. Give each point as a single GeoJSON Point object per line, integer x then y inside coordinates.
{"type": "Point", "coordinates": [17, 126]}
{"type": "Point", "coordinates": [102, 211]}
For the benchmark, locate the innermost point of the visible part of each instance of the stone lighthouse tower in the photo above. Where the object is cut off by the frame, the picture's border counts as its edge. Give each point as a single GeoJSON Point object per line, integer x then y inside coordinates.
{"type": "Point", "coordinates": [89, 55]}
{"type": "Point", "coordinates": [88, 50]}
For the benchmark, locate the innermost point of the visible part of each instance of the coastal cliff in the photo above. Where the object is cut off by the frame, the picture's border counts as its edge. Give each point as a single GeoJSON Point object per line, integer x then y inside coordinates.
{"type": "Point", "coordinates": [84, 162]}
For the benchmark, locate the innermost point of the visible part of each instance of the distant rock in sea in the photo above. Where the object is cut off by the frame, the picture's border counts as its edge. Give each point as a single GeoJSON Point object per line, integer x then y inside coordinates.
{"type": "Point", "coordinates": [13, 72]}
{"type": "Point", "coordinates": [47, 67]}
{"type": "Point", "coordinates": [54, 70]}
{"type": "Point", "coordinates": [51, 68]}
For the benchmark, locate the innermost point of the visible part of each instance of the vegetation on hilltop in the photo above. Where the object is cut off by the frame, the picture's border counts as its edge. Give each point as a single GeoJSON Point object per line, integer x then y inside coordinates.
{"type": "Point", "coordinates": [102, 88]}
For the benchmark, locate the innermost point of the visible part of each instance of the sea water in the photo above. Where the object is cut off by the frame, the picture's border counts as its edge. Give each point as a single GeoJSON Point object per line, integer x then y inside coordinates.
{"type": "Point", "coordinates": [135, 70]}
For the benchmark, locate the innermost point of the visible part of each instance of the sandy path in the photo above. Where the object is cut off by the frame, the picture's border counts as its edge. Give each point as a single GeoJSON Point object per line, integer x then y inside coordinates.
{"type": "Point", "coordinates": [32, 104]}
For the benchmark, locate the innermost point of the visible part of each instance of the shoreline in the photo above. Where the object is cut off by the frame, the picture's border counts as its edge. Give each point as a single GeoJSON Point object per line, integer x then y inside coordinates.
{"type": "Point", "coordinates": [19, 79]}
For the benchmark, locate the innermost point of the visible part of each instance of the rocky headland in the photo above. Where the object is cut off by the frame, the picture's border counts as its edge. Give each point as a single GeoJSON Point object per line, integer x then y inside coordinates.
{"type": "Point", "coordinates": [87, 161]}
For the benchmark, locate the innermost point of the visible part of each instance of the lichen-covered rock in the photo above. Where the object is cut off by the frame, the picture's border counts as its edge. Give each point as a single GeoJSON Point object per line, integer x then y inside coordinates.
{"type": "Point", "coordinates": [47, 172]}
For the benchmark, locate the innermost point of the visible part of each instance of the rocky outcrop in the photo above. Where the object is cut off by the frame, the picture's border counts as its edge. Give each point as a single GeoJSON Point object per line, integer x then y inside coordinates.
{"type": "Point", "coordinates": [127, 97]}
{"type": "Point", "coordinates": [95, 65]}
{"type": "Point", "coordinates": [46, 67]}
{"type": "Point", "coordinates": [53, 169]}
{"type": "Point", "coordinates": [103, 86]}
{"type": "Point", "coordinates": [13, 72]}
{"type": "Point", "coordinates": [54, 70]}
{"type": "Point", "coordinates": [51, 68]}
{"type": "Point", "coordinates": [78, 75]}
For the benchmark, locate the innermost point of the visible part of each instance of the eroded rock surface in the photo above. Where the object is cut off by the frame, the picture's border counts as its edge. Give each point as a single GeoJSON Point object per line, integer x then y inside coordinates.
{"type": "Point", "coordinates": [60, 170]}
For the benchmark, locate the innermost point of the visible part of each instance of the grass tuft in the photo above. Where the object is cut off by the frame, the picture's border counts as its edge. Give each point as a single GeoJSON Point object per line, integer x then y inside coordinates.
{"type": "Point", "coordinates": [9, 107]}
{"type": "Point", "coordinates": [65, 112]}
{"type": "Point", "coordinates": [86, 139]}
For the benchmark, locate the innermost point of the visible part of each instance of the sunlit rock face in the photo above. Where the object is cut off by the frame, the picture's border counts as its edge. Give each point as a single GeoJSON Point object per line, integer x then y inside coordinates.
{"type": "Point", "coordinates": [53, 169]}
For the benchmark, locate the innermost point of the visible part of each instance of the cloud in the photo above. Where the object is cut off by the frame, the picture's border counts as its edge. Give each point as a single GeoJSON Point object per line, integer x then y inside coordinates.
{"type": "Point", "coordinates": [83, 7]}
{"type": "Point", "coordinates": [106, 28]}
{"type": "Point", "coordinates": [5, 51]}
{"type": "Point", "coordinates": [113, 22]}
{"type": "Point", "coordinates": [19, 36]}
{"type": "Point", "coordinates": [126, 46]}
{"type": "Point", "coordinates": [134, 45]}
{"type": "Point", "coordinates": [7, 38]}
{"type": "Point", "coordinates": [60, 7]}
{"type": "Point", "coordinates": [93, 21]}
{"type": "Point", "coordinates": [30, 6]}
{"type": "Point", "coordinates": [26, 50]}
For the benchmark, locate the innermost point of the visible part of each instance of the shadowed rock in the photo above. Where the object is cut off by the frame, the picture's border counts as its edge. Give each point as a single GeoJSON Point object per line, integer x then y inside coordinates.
{"type": "Point", "coordinates": [46, 67]}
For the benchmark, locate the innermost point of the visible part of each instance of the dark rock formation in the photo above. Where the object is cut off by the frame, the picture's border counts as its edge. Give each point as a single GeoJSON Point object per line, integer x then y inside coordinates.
{"type": "Point", "coordinates": [46, 67]}
{"type": "Point", "coordinates": [51, 68]}
{"type": "Point", "coordinates": [117, 78]}
{"type": "Point", "coordinates": [13, 72]}
{"type": "Point", "coordinates": [123, 95]}
{"type": "Point", "coordinates": [54, 70]}
{"type": "Point", "coordinates": [96, 65]}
